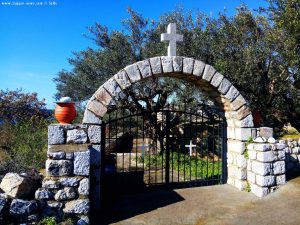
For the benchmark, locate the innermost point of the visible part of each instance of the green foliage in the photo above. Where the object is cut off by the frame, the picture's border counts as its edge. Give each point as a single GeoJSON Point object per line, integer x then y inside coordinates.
{"type": "Point", "coordinates": [248, 187]}
{"type": "Point", "coordinates": [48, 221]}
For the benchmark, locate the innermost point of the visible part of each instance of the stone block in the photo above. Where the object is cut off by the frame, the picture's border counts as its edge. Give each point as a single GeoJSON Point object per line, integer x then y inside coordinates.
{"type": "Point", "coordinates": [259, 191]}
{"type": "Point", "coordinates": [252, 154]}
{"type": "Point", "coordinates": [82, 163]}
{"type": "Point", "coordinates": [241, 161]}
{"type": "Point", "coordinates": [249, 164]}
{"type": "Point", "coordinates": [68, 193]}
{"type": "Point", "coordinates": [231, 132]}
{"type": "Point", "coordinates": [262, 147]}
{"type": "Point", "coordinates": [240, 184]}
{"type": "Point", "coordinates": [58, 167]}
{"type": "Point", "coordinates": [281, 155]}
{"type": "Point", "coordinates": [188, 65]}
{"type": "Point", "coordinates": [69, 155]}
{"type": "Point", "coordinates": [167, 64]}
{"type": "Point", "coordinates": [216, 80]}
{"type": "Point", "coordinates": [281, 179]}
{"type": "Point", "coordinates": [243, 134]}
{"type": "Point", "coordinates": [56, 155]}
{"type": "Point", "coordinates": [251, 177]}
{"type": "Point", "coordinates": [104, 97]}
{"type": "Point", "coordinates": [198, 68]}
{"type": "Point", "coordinates": [81, 206]}
{"type": "Point", "coordinates": [96, 107]}
{"type": "Point", "coordinates": [229, 158]}
{"type": "Point", "coordinates": [90, 118]}
{"type": "Point", "coordinates": [246, 122]}
{"type": "Point", "coordinates": [266, 132]}
{"type": "Point", "coordinates": [230, 181]}
{"type": "Point", "coordinates": [44, 194]}
{"type": "Point", "coordinates": [21, 208]}
{"type": "Point", "coordinates": [237, 173]}
{"type": "Point", "coordinates": [261, 168]}
{"type": "Point", "coordinates": [84, 220]}
{"type": "Point", "coordinates": [177, 63]}
{"type": "Point", "coordinates": [268, 156]}
{"type": "Point", "coordinates": [156, 66]}
{"type": "Point", "coordinates": [265, 181]}
{"type": "Point", "coordinates": [122, 79]}
{"type": "Point", "coordinates": [296, 150]}
{"type": "Point", "coordinates": [70, 181]}
{"type": "Point", "coordinates": [133, 73]}
{"type": "Point", "coordinates": [145, 68]}
{"type": "Point", "coordinates": [238, 103]}
{"type": "Point", "coordinates": [112, 87]}
{"type": "Point", "coordinates": [84, 187]}
{"type": "Point", "coordinates": [236, 146]}
{"type": "Point", "coordinates": [279, 167]}
{"type": "Point", "coordinates": [280, 146]}
{"type": "Point", "coordinates": [56, 135]}
{"type": "Point", "coordinates": [243, 112]}
{"type": "Point", "coordinates": [51, 184]}
{"type": "Point", "coordinates": [95, 151]}
{"type": "Point", "coordinates": [232, 93]}
{"type": "Point", "coordinates": [208, 73]}
{"type": "Point", "coordinates": [94, 134]}
{"type": "Point", "coordinates": [76, 136]}
{"type": "Point", "coordinates": [224, 86]}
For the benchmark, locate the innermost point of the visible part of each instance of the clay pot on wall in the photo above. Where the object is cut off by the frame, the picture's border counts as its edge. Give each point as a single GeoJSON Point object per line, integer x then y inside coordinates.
{"type": "Point", "coordinates": [65, 111]}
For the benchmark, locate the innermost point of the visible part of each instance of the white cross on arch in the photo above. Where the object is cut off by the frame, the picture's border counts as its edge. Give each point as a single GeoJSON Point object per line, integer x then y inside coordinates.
{"type": "Point", "coordinates": [191, 146]}
{"type": "Point", "coordinates": [172, 37]}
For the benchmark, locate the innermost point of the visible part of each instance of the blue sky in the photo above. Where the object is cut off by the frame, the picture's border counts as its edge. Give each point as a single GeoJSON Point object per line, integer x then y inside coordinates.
{"type": "Point", "coordinates": [36, 41]}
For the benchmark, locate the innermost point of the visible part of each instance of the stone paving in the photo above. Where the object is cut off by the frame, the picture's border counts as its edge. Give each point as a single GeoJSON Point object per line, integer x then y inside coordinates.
{"type": "Point", "coordinates": [212, 205]}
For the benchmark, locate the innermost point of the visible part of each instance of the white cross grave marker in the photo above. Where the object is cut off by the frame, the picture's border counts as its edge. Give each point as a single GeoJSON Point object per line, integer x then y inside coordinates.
{"type": "Point", "coordinates": [191, 146]}
{"type": "Point", "coordinates": [172, 37]}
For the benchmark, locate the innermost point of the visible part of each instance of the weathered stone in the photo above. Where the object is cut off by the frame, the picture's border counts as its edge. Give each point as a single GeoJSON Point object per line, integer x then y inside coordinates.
{"type": "Point", "coordinates": [243, 134]}
{"type": "Point", "coordinates": [268, 156]}
{"type": "Point", "coordinates": [68, 193]}
{"type": "Point", "coordinates": [43, 194]}
{"type": "Point", "coordinates": [70, 181]}
{"type": "Point", "coordinates": [281, 154]}
{"type": "Point", "coordinates": [21, 208]}
{"type": "Point", "coordinates": [69, 155]}
{"type": "Point", "coordinates": [224, 86]}
{"type": "Point", "coordinates": [56, 135]}
{"type": "Point", "coordinates": [54, 204]}
{"type": "Point", "coordinates": [232, 93]}
{"type": "Point", "coordinates": [240, 184]}
{"type": "Point", "coordinates": [156, 66]}
{"type": "Point", "coordinates": [259, 191]}
{"type": "Point", "coordinates": [3, 203]}
{"type": "Point", "coordinates": [260, 140]}
{"type": "Point", "coordinates": [84, 220]}
{"type": "Point", "coordinates": [252, 154]}
{"type": "Point", "coordinates": [51, 184]}
{"type": "Point", "coordinates": [144, 67]}
{"type": "Point", "coordinates": [167, 64]}
{"type": "Point", "coordinates": [261, 168]}
{"type": "Point", "coordinates": [281, 179]}
{"type": "Point", "coordinates": [237, 173]}
{"type": "Point", "coordinates": [104, 97]}
{"type": "Point", "coordinates": [97, 107]}
{"type": "Point", "coordinates": [262, 147]}
{"type": "Point", "coordinates": [246, 122]}
{"type": "Point", "coordinates": [177, 63]}
{"type": "Point", "coordinates": [279, 167]}
{"type": "Point", "coordinates": [216, 80]}
{"type": "Point", "coordinates": [241, 161]}
{"type": "Point", "coordinates": [266, 132]}
{"type": "Point", "coordinates": [296, 150]}
{"type": "Point", "coordinates": [238, 103]}
{"type": "Point", "coordinates": [236, 146]}
{"type": "Point", "coordinates": [90, 117]}
{"type": "Point", "coordinates": [229, 158]}
{"type": "Point", "coordinates": [243, 112]}
{"type": "Point", "coordinates": [56, 155]}
{"type": "Point", "coordinates": [58, 167]}
{"type": "Point", "coordinates": [198, 68]}
{"type": "Point", "coordinates": [76, 136]}
{"type": "Point", "coordinates": [208, 73]}
{"type": "Point", "coordinates": [95, 154]}
{"type": "Point", "coordinates": [188, 65]}
{"type": "Point", "coordinates": [77, 206]}
{"type": "Point", "coordinates": [82, 163]}
{"type": "Point", "coordinates": [17, 186]}
{"type": "Point", "coordinates": [251, 177]}
{"type": "Point", "coordinates": [94, 133]}
{"type": "Point", "coordinates": [265, 181]}
{"type": "Point", "coordinates": [133, 73]}
{"type": "Point", "coordinates": [112, 87]}
{"type": "Point", "coordinates": [272, 140]}
{"type": "Point", "coordinates": [122, 79]}
{"type": "Point", "coordinates": [84, 187]}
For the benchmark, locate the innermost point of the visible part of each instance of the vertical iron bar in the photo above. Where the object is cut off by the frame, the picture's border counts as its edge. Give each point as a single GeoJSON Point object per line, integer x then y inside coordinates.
{"type": "Point", "coordinates": [167, 173]}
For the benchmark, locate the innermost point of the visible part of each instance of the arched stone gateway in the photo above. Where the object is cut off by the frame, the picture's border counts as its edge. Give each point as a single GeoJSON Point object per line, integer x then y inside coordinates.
{"type": "Point", "coordinates": [237, 113]}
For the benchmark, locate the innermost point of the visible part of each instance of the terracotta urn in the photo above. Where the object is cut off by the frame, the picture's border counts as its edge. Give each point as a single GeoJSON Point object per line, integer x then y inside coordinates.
{"type": "Point", "coordinates": [65, 111]}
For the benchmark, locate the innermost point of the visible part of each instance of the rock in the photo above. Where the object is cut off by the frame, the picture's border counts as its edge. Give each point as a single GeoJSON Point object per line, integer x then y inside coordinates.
{"type": "Point", "coordinates": [266, 132]}
{"type": "Point", "coordinates": [17, 186]}
{"type": "Point", "coordinates": [21, 208]}
{"type": "Point", "coordinates": [272, 140]}
{"type": "Point", "coordinates": [56, 135]}
{"type": "Point", "coordinates": [67, 193]}
{"type": "Point", "coordinates": [58, 167]}
{"type": "Point", "coordinates": [3, 203]}
{"type": "Point", "coordinates": [81, 206]}
{"type": "Point", "coordinates": [56, 155]}
{"type": "Point", "coordinates": [51, 184]}
{"type": "Point", "coordinates": [82, 163]}
{"type": "Point", "coordinates": [76, 136]}
{"type": "Point", "coordinates": [260, 140]}
{"type": "Point", "coordinates": [69, 155]}
{"type": "Point", "coordinates": [84, 220]}
{"type": "Point", "coordinates": [84, 187]}
{"type": "Point", "coordinates": [94, 133]}
{"type": "Point", "coordinates": [32, 218]}
{"type": "Point", "coordinates": [44, 194]}
{"type": "Point", "coordinates": [70, 181]}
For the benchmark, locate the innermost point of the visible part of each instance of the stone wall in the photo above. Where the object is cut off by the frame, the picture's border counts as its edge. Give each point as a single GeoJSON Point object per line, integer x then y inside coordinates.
{"type": "Point", "coordinates": [292, 155]}
{"type": "Point", "coordinates": [73, 151]}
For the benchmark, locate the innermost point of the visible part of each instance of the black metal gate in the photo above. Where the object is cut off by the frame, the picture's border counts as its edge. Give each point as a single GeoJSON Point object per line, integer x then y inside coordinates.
{"type": "Point", "coordinates": [174, 147]}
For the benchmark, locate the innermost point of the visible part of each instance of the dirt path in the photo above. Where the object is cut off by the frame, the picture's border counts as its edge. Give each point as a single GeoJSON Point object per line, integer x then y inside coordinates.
{"type": "Point", "coordinates": [214, 205]}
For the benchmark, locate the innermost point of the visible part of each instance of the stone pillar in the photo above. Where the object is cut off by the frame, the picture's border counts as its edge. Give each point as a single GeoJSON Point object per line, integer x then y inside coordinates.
{"type": "Point", "coordinates": [73, 152]}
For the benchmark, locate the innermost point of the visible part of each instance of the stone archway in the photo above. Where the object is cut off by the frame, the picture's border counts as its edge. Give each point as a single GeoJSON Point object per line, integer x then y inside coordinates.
{"type": "Point", "coordinates": [237, 113]}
